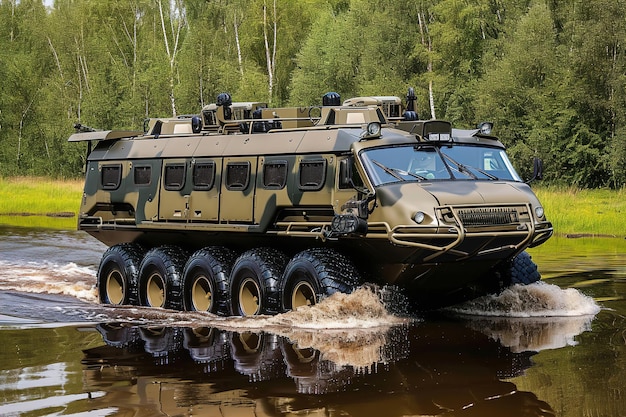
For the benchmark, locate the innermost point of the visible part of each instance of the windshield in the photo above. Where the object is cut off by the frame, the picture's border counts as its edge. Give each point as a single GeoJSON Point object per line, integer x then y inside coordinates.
{"type": "Point", "coordinates": [428, 162]}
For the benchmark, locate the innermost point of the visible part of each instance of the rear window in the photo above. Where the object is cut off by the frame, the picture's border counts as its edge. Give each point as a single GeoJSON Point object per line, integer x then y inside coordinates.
{"type": "Point", "coordinates": [111, 176]}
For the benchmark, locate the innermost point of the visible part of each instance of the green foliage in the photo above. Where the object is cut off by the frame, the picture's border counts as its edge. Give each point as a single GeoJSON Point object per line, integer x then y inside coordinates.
{"type": "Point", "coordinates": [549, 74]}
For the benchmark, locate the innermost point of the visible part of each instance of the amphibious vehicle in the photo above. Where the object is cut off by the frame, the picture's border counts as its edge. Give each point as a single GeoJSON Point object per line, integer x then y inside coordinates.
{"type": "Point", "coordinates": [245, 210]}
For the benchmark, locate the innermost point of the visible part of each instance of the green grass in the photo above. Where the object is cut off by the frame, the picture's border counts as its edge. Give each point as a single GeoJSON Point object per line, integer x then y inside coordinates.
{"type": "Point", "coordinates": [28, 201]}
{"type": "Point", "coordinates": [40, 202]}
{"type": "Point", "coordinates": [590, 212]}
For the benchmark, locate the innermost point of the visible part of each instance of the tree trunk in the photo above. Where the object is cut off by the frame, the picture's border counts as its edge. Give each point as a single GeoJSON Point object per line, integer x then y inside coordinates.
{"type": "Point", "coordinates": [172, 51]}
{"type": "Point", "coordinates": [428, 45]}
{"type": "Point", "coordinates": [239, 59]}
{"type": "Point", "coordinates": [270, 56]}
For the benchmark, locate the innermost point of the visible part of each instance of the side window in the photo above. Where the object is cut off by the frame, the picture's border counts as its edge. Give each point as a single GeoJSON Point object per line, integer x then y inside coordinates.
{"type": "Point", "coordinates": [237, 175]}
{"type": "Point", "coordinates": [312, 174]}
{"type": "Point", "coordinates": [275, 175]}
{"type": "Point", "coordinates": [142, 175]}
{"type": "Point", "coordinates": [174, 177]}
{"type": "Point", "coordinates": [203, 175]}
{"type": "Point", "coordinates": [111, 176]}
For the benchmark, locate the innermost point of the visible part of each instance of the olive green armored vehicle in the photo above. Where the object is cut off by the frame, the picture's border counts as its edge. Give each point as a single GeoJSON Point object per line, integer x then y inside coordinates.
{"type": "Point", "coordinates": [246, 210]}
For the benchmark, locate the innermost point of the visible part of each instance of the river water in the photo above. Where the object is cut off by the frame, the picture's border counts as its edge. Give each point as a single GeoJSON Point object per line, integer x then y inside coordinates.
{"type": "Point", "coordinates": [556, 348]}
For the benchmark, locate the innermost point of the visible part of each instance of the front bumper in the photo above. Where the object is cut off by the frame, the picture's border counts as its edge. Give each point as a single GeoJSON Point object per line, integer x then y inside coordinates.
{"type": "Point", "coordinates": [465, 232]}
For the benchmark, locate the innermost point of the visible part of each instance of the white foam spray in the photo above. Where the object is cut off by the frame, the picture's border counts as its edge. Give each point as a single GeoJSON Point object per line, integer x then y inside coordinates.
{"type": "Point", "coordinates": [535, 300]}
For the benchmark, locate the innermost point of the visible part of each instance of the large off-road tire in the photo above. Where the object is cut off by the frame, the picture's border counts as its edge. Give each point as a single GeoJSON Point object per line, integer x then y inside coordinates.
{"type": "Point", "coordinates": [254, 282]}
{"type": "Point", "coordinates": [118, 273]}
{"type": "Point", "coordinates": [314, 274]}
{"type": "Point", "coordinates": [160, 278]}
{"type": "Point", "coordinates": [523, 270]}
{"type": "Point", "coordinates": [205, 285]}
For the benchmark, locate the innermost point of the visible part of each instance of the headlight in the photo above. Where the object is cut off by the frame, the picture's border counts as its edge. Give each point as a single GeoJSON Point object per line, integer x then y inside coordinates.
{"type": "Point", "coordinates": [419, 217]}
{"type": "Point", "coordinates": [539, 211]}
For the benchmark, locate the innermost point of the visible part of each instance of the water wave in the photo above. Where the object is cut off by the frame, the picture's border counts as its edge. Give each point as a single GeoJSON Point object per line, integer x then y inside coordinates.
{"type": "Point", "coordinates": [49, 278]}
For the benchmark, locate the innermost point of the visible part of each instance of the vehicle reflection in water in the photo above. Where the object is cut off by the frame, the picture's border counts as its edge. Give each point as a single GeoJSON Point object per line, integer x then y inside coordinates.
{"type": "Point", "coordinates": [444, 366]}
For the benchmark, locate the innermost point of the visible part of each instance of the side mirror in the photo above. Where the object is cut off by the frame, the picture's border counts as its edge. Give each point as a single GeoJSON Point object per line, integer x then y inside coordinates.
{"type": "Point", "coordinates": [537, 170]}
{"type": "Point", "coordinates": [345, 173]}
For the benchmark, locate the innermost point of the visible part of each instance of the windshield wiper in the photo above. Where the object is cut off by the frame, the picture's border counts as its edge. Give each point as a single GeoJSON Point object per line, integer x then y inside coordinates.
{"type": "Point", "coordinates": [395, 172]}
{"type": "Point", "coordinates": [466, 170]}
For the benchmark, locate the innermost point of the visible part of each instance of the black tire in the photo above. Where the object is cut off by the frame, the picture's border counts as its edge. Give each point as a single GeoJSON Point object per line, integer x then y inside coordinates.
{"type": "Point", "coordinates": [160, 277]}
{"type": "Point", "coordinates": [118, 274]}
{"type": "Point", "coordinates": [254, 282]}
{"type": "Point", "coordinates": [314, 274]}
{"type": "Point", "coordinates": [523, 270]}
{"type": "Point", "coordinates": [205, 285]}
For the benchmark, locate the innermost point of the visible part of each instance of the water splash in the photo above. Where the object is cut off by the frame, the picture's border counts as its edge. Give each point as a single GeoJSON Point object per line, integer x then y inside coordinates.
{"type": "Point", "coordinates": [361, 309]}
{"type": "Point", "coordinates": [355, 326]}
{"type": "Point", "coordinates": [535, 300]}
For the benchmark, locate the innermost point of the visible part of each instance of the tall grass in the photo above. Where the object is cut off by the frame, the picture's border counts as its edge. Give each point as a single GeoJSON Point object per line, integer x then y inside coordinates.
{"type": "Point", "coordinates": [38, 202]}
{"type": "Point", "coordinates": [592, 212]}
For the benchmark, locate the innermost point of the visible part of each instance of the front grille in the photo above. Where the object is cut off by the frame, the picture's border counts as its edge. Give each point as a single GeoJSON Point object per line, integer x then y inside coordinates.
{"type": "Point", "coordinates": [488, 216]}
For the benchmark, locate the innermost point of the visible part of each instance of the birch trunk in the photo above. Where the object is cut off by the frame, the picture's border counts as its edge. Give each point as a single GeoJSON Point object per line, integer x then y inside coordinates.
{"type": "Point", "coordinates": [270, 55]}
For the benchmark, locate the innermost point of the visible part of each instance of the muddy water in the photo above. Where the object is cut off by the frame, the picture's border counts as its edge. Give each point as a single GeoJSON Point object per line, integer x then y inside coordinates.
{"type": "Point", "coordinates": [554, 348]}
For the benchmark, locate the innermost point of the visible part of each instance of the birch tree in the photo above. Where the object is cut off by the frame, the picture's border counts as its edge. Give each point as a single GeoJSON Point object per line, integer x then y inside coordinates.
{"type": "Point", "coordinates": [427, 44]}
{"type": "Point", "coordinates": [173, 30]}
{"type": "Point", "coordinates": [270, 52]}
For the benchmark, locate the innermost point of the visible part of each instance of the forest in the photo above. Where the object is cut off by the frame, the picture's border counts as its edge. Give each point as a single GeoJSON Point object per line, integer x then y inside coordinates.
{"type": "Point", "coordinates": [550, 74]}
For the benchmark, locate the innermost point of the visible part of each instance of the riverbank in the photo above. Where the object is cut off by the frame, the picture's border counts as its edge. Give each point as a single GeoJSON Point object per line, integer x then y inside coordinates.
{"type": "Point", "coordinates": [44, 202]}
{"type": "Point", "coordinates": [40, 202]}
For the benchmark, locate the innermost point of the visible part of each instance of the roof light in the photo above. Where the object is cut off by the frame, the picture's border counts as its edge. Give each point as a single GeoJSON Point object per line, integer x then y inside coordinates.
{"type": "Point", "coordinates": [372, 131]}
{"type": "Point", "coordinates": [485, 128]}
{"type": "Point", "coordinates": [438, 137]}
